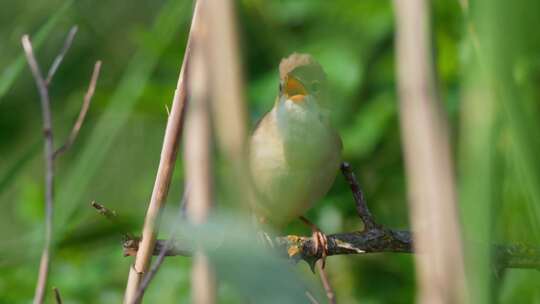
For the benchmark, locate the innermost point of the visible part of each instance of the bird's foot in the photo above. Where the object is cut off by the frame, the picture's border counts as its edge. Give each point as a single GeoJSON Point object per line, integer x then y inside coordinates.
{"type": "Point", "coordinates": [319, 239]}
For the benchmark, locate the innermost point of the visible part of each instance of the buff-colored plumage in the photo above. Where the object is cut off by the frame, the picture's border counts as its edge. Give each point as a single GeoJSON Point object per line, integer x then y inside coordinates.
{"type": "Point", "coordinates": [294, 151]}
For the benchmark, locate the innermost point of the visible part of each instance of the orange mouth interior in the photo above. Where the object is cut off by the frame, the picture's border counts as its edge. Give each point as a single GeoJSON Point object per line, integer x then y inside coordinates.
{"type": "Point", "coordinates": [294, 89]}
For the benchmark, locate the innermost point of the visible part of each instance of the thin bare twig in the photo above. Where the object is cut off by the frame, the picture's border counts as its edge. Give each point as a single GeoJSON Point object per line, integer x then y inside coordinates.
{"type": "Point", "coordinates": [82, 114]}
{"type": "Point", "coordinates": [359, 199]}
{"type": "Point", "coordinates": [57, 296]}
{"type": "Point", "coordinates": [49, 153]}
{"type": "Point", "coordinates": [169, 151]}
{"type": "Point", "coordinates": [49, 167]}
{"type": "Point", "coordinates": [163, 251]}
{"type": "Point", "coordinates": [58, 60]}
{"type": "Point", "coordinates": [326, 283]}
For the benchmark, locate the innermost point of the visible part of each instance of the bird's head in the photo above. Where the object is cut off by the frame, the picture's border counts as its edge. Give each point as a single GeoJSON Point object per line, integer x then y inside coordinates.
{"type": "Point", "coordinates": [302, 79]}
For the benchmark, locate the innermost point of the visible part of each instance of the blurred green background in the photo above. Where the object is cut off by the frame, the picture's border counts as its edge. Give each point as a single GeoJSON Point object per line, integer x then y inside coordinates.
{"type": "Point", "coordinates": [490, 92]}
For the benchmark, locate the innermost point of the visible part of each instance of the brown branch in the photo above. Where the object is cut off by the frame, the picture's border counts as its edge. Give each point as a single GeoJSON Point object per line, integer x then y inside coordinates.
{"type": "Point", "coordinates": [58, 60]}
{"type": "Point", "coordinates": [169, 151]}
{"type": "Point", "coordinates": [303, 247]}
{"type": "Point", "coordinates": [359, 242]}
{"type": "Point", "coordinates": [359, 199]}
{"type": "Point", "coordinates": [376, 240]}
{"type": "Point", "coordinates": [82, 114]}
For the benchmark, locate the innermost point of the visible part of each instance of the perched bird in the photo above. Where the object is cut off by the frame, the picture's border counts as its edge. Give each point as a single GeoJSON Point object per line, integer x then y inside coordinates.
{"type": "Point", "coordinates": [294, 151]}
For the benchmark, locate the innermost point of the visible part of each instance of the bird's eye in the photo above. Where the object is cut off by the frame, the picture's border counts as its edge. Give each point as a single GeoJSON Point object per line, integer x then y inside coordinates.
{"type": "Point", "coordinates": [315, 87]}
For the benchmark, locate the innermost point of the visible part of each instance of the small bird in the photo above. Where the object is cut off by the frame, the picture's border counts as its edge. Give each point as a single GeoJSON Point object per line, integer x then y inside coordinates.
{"type": "Point", "coordinates": [295, 153]}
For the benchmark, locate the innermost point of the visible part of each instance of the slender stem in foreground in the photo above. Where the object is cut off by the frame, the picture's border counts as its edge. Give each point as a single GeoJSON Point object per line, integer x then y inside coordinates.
{"type": "Point", "coordinates": [163, 251]}
{"type": "Point", "coordinates": [197, 159]}
{"type": "Point", "coordinates": [431, 186]}
{"type": "Point", "coordinates": [169, 151]}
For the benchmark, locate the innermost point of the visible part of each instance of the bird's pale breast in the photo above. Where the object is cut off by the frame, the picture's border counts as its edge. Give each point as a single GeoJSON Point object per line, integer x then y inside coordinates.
{"type": "Point", "coordinates": [294, 159]}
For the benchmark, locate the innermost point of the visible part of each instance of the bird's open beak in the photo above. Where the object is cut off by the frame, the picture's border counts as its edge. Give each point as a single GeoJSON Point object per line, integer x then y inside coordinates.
{"type": "Point", "coordinates": [294, 89]}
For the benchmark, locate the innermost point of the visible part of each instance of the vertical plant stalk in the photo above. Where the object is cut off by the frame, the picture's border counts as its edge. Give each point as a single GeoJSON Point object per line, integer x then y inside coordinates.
{"type": "Point", "coordinates": [49, 168]}
{"type": "Point", "coordinates": [198, 164]}
{"type": "Point", "coordinates": [228, 102]}
{"type": "Point", "coordinates": [227, 95]}
{"type": "Point", "coordinates": [222, 78]}
{"type": "Point", "coordinates": [432, 197]}
{"type": "Point", "coordinates": [162, 253]}
{"type": "Point", "coordinates": [165, 170]}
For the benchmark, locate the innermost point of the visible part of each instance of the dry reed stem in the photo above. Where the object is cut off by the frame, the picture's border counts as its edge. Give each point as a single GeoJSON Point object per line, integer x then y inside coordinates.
{"type": "Point", "coordinates": [162, 252]}
{"type": "Point", "coordinates": [432, 195]}
{"type": "Point", "coordinates": [169, 151]}
{"type": "Point", "coordinates": [198, 159]}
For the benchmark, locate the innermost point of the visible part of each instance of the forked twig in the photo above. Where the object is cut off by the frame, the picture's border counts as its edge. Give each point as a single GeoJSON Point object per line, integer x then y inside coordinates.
{"type": "Point", "coordinates": [49, 153]}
